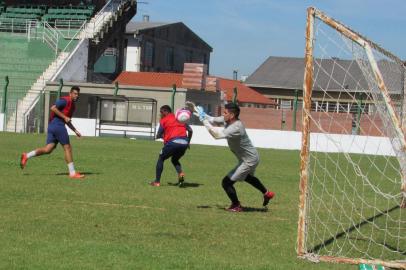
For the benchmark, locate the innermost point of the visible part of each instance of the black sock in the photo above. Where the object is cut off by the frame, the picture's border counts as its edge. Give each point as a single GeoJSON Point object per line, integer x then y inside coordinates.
{"type": "Point", "coordinates": [253, 181]}
{"type": "Point", "coordinates": [228, 187]}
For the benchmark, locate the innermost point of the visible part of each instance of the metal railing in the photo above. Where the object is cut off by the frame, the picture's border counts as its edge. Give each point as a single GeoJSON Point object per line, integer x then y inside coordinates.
{"type": "Point", "coordinates": [69, 28]}
{"type": "Point", "coordinates": [51, 37]}
{"type": "Point", "coordinates": [14, 25]}
{"type": "Point", "coordinates": [103, 17]}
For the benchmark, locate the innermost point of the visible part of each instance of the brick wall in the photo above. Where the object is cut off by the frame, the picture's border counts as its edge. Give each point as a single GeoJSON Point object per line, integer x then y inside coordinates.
{"type": "Point", "coordinates": [337, 123]}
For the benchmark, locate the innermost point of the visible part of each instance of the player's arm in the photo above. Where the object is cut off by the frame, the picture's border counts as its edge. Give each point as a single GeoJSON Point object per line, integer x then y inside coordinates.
{"type": "Point", "coordinates": [160, 133]}
{"type": "Point", "coordinates": [215, 133]}
{"type": "Point", "coordinates": [70, 125]}
{"type": "Point", "coordinates": [216, 120]}
{"type": "Point", "coordinates": [56, 109]}
{"type": "Point", "coordinates": [189, 133]}
{"type": "Point", "coordinates": [199, 112]}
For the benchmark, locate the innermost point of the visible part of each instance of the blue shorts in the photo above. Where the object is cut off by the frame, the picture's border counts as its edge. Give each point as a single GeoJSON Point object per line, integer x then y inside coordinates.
{"type": "Point", "coordinates": [57, 133]}
{"type": "Point", "coordinates": [175, 150]}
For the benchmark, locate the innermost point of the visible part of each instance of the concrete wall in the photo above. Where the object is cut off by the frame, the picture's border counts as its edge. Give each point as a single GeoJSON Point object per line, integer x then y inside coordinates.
{"type": "Point", "coordinates": [276, 139]}
{"type": "Point", "coordinates": [269, 118]}
{"type": "Point", "coordinates": [1, 121]}
{"type": "Point", "coordinates": [133, 56]}
{"type": "Point", "coordinates": [75, 69]}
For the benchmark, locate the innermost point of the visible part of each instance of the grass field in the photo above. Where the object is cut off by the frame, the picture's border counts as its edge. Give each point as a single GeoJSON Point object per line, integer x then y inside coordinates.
{"type": "Point", "coordinates": [114, 220]}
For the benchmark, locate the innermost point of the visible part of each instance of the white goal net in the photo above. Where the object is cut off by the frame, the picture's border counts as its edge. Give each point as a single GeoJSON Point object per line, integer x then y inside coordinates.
{"type": "Point", "coordinates": [353, 193]}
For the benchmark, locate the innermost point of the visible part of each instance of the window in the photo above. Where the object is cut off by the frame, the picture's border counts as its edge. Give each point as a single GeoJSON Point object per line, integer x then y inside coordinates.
{"type": "Point", "coordinates": [164, 33]}
{"type": "Point", "coordinates": [169, 55]}
{"type": "Point", "coordinates": [149, 54]}
{"type": "Point", "coordinates": [343, 107]}
{"type": "Point", "coordinates": [321, 106]}
{"type": "Point", "coordinates": [286, 104]}
{"type": "Point", "coordinates": [189, 56]}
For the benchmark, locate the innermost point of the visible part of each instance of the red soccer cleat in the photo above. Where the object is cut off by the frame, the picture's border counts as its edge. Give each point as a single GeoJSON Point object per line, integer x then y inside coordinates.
{"type": "Point", "coordinates": [235, 208]}
{"type": "Point", "coordinates": [155, 184]}
{"type": "Point", "coordinates": [267, 197]}
{"type": "Point", "coordinates": [23, 160]}
{"type": "Point", "coordinates": [76, 175]}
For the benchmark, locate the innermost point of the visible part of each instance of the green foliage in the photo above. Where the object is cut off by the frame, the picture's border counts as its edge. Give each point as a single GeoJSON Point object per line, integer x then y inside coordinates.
{"type": "Point", "coordinates": [115, 220]}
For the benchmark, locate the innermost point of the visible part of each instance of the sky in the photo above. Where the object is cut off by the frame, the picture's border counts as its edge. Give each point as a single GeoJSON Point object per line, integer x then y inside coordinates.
{"type": "Point", "coordinates": [244, 33]}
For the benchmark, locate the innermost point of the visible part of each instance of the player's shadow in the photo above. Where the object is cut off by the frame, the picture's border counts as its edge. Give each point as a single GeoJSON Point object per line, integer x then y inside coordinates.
{"type": "Point", "coordinates": [254, 209]}
{"type": "Point", "coordinates": [244, 208]}
{"type": "Point", "coordinates": [85, 173]}
{"type": "Point", "coordinates": [185, 185]}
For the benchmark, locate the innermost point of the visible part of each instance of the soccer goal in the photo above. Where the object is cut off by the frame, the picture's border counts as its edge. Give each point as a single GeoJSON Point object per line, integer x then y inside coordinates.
{"type": "Point", "coordinates": [353, 157]}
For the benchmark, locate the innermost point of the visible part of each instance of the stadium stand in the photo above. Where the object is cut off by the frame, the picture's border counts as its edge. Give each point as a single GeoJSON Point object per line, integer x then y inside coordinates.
{"type": "Point", "coordinates": [2, 7]}
{"type": "Point", "coordinates": [35, 47]}
{"type": "Point", "coordinates": [72, 16]}
{"type": "Point", "coordinates": [23, 62]}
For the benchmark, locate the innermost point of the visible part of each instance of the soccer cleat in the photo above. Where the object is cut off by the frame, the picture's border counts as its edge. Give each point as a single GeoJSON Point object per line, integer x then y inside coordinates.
{"type": "Point", "coordinates": [23, 160]}
{"type": "Point", "coordinates": [76, 175]}
{"type": "Point", "coordinates": [155, 184]}
{"type": "Point", "coordinates": [235, 208]}
{"type": "Point", "coordinates": [181, 179]}
{"type": "Point", "coordinates": [267, 197]}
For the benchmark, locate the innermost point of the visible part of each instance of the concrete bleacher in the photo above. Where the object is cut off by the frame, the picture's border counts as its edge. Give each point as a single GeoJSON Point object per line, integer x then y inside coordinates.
{"type": "Point", "coordinates": [23, 62]}
{"type": "Point", "coordinates": [21, 13]}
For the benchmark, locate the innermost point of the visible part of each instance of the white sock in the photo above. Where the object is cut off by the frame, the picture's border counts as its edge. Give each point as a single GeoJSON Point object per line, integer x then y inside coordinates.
{"type": "Point", "coordinates": [31, 154]}
{"type": "Point", "coordinates": [71, 168]}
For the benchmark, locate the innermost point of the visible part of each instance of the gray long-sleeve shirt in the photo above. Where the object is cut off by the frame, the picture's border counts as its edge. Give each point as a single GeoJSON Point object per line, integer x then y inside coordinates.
{"type": "Point", "coordinates": [238, 140]}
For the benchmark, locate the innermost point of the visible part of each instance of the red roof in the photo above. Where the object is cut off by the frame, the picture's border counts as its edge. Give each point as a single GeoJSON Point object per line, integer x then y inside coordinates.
{"type": "Point", "coordinates": [158, 79]}
{"type": "Point", "coordinates": [153, 79]}
{"type": "Point", "coordinates": [244, 93]}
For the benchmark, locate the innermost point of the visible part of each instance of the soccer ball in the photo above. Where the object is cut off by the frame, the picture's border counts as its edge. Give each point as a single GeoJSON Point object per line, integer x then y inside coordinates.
{"type": "Point", "coordinates": [182, 115]}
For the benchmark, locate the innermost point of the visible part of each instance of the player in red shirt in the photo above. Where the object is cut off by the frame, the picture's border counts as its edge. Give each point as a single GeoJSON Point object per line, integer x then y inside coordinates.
{"type": "Point", "coordinates": [176, 136]}
{"type": "Point", "coordinates": [61, 114]}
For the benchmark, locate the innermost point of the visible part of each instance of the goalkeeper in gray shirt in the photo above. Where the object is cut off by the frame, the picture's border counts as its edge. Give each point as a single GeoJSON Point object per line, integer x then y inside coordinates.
{"type": "Point", "coordinates": [241, 146]}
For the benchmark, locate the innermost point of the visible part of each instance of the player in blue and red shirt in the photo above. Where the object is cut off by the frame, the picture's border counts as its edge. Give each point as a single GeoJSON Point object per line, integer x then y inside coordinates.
{"type": "Point", "coordinates": [61, 114]}
{"type": "Point", "coordinates": [176, 136]}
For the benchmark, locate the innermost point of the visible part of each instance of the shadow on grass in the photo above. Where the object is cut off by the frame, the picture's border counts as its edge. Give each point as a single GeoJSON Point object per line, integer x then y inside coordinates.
{"type": "Point", "coordinates": [60, 174]}
{"type": "Point", "coordinates": [367, 221]}
{"type": "Point", "coordinates": [85, 173]}
{"type": "Point", "coordinates": [244, 208]}
{"type": "Point", "coordinates": [185, 185]}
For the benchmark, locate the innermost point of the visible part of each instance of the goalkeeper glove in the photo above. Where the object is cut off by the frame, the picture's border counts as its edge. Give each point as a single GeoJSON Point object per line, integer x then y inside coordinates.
{"type": "Point", "coordinates": [200, 113]}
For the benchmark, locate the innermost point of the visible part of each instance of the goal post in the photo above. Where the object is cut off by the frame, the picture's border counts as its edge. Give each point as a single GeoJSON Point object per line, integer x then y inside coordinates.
{"type": "Point", "coordinates": [353, 155]}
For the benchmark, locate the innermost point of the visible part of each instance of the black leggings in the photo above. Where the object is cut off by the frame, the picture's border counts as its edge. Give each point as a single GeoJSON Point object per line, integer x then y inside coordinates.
{"type": "Point", "coordinates": [228, 186]}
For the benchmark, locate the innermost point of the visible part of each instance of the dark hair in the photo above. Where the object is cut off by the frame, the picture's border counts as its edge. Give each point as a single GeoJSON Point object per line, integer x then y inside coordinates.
{"type": "Point", "coordinates": [166, 108]}
{"type": "Point", "coordinates": [75, 88]}
{"type": "Point", "coordinates": [233, 108]}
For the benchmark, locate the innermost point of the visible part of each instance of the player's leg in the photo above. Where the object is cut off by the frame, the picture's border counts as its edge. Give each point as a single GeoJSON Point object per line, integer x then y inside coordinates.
{"type": "Point", "coordinates": [67, 149]}
{"type": "Point", "coordinates": [239, 173]}
{"type": "Point", "coordinates": [228, 186]}
{"type": "Point", "coordinates": [256, 183]}
{"type": "Point", "coordinates": [165, 153]}
{"type": "Point", "coordinates": [61, 135]}
{"type": "Point", "coordinates": [47, 149]}
{"type": "Point", "coordinates": [179, 152]}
